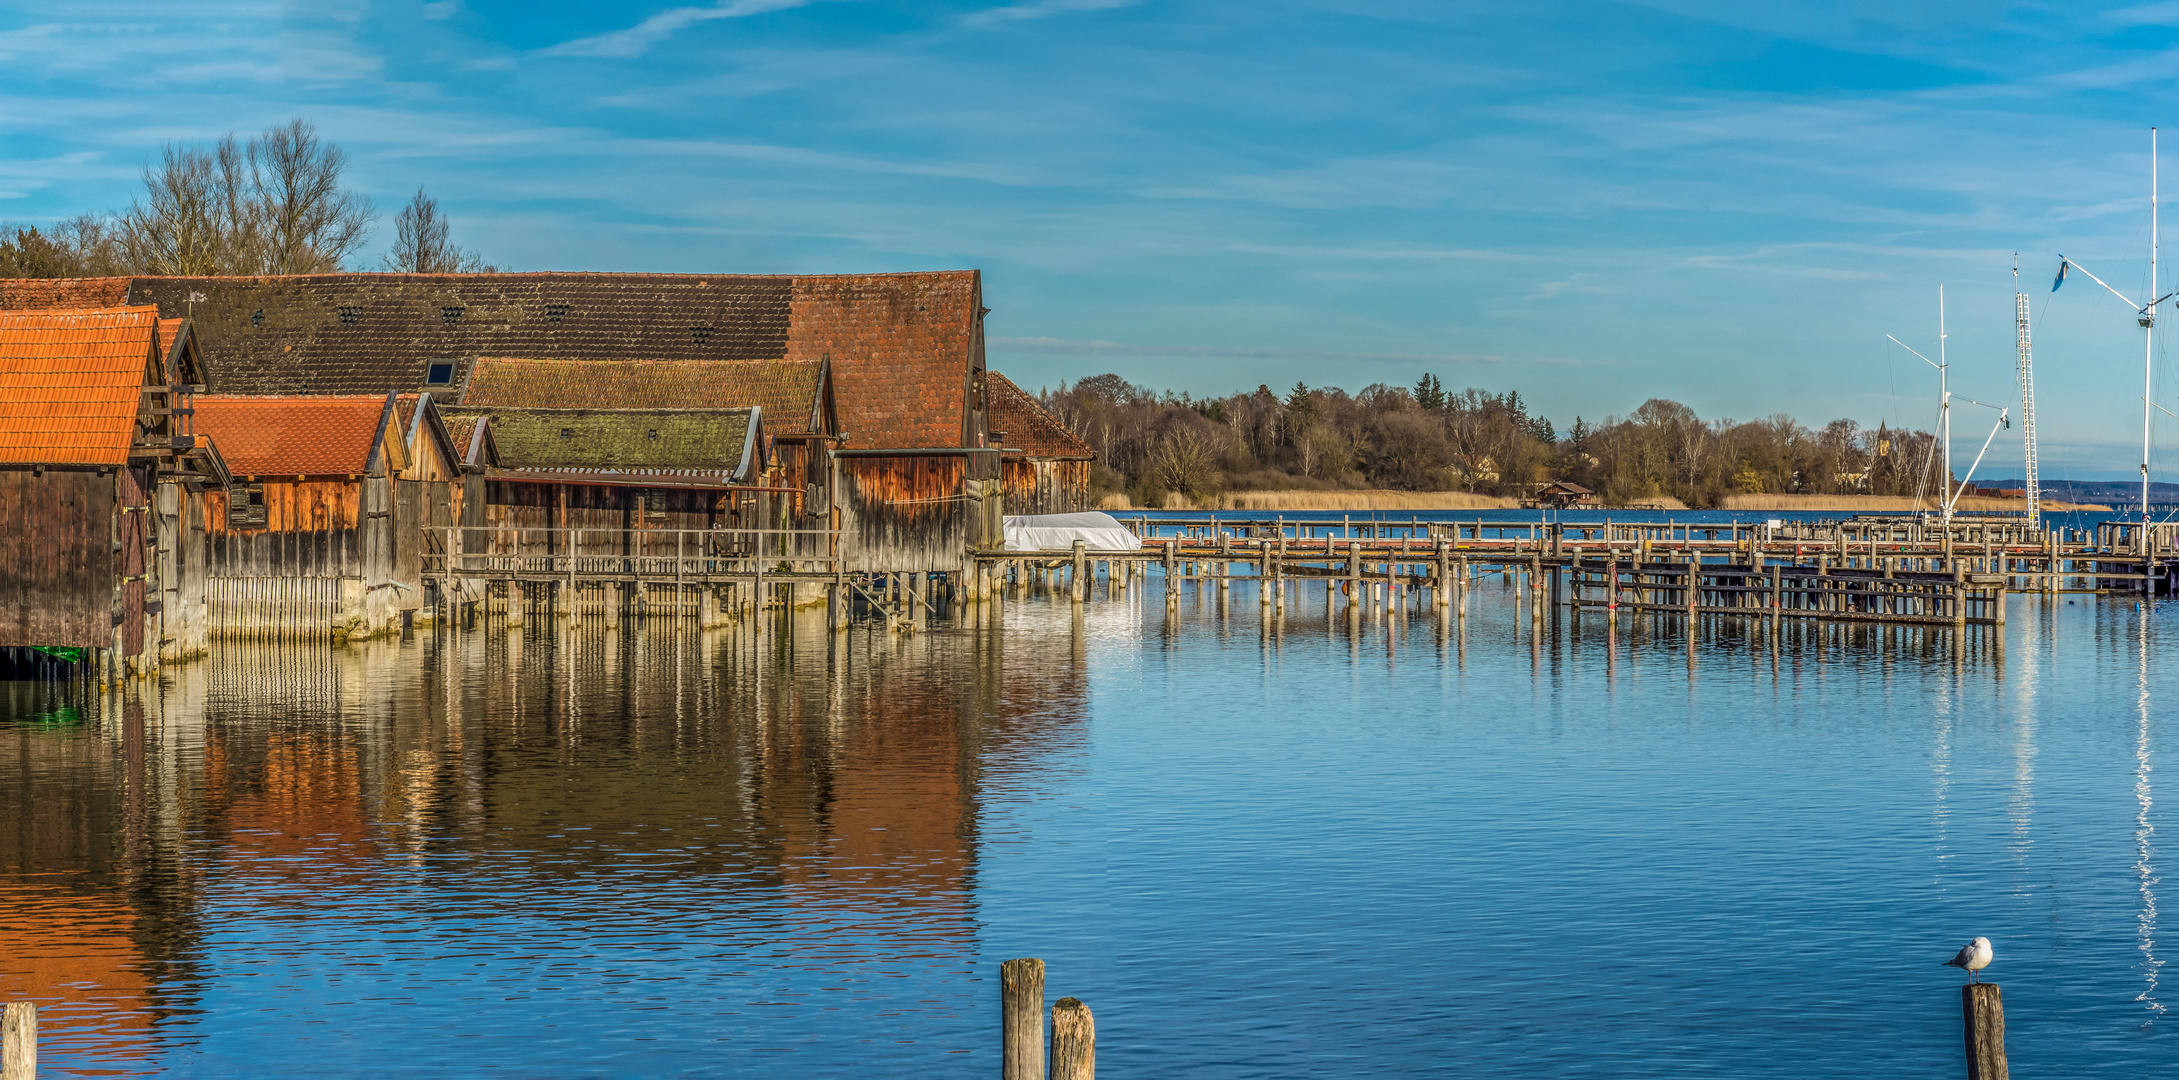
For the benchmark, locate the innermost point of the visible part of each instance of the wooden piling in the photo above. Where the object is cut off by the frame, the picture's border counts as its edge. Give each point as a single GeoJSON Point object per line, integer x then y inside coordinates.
{"type": "Point", "coordinates": [1080, 584]}
{"type": "Point", "coordinates": [1074, 1041]}
{"type": "Point", "coordinates": [1021, 1007]}
{"type": "Point", "coordinates": [1984, 1018]}
{"type": "Point", "coordinates": [19, 1040]}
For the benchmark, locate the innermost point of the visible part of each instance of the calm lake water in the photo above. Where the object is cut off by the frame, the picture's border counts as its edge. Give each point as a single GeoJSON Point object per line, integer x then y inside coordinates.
{"type": "Point", "coordinates": [1402, 848]}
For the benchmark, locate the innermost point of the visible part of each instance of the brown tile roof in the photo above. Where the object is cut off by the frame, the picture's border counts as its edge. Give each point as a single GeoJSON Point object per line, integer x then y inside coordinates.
{"type": "Point", "coordinates": [901, 346]}
{"type": "Point", "coordinates": [1025, 423]}
{"type": "Point", "coordinates": [71, 383]}
{"type": "Point", "coordinates": [468, 448]}
{"type": "Point", "coordinates": [293, 436]}
{"type": "Point", "coordinates": [787, 391]}
{"type": "Point", "coordinates": [23, 293]}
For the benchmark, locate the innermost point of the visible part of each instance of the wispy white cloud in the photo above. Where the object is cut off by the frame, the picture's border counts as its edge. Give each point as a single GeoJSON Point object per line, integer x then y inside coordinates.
{"type": "Point", "coordinates": [2160, 14]}
{"type": "Point", "coordinates": [1040, 9]}
{"type": "Point", "coordinates": [638, 39]}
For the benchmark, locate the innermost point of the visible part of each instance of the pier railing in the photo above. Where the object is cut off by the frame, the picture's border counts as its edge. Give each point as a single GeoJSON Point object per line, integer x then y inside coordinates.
{"type": "Point", "coordinates": [582, 555]}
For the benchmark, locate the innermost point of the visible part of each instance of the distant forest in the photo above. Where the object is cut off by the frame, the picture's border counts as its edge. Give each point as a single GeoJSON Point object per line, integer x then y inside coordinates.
{"type": "Point", "coordinates": [1151, 445]}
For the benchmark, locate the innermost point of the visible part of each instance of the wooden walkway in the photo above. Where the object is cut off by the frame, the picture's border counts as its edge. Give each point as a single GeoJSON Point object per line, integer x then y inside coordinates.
{"type": "Point", "coordinates": [1875, 569]}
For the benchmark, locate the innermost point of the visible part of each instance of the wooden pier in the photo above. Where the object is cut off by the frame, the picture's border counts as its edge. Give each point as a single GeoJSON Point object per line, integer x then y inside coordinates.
{"type": "Point", "coordinates": [1867, 569]}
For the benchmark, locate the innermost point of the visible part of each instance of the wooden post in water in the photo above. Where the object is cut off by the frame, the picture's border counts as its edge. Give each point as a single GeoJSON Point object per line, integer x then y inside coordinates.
{"type": "Point", "coordinates": [1021, 1008]}
{"type": "Point", "coordinates": [19, 1040]}
{"type": "Point", "coordinates": [1080, 584]}
{"type": "Point", "coordinates": [1984, 1017]}
{"type": "Point", "coordinates": [1074, 1041]}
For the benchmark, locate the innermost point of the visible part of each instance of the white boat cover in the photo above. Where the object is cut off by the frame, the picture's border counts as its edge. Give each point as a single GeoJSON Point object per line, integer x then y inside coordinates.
{"type": "Point", "coordinates": [1058, 532]}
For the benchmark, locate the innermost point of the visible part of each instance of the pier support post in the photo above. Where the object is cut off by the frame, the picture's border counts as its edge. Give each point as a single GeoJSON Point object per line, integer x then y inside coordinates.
{"type": "Point", "coordinates": [1984, 1018]}
{"type": "Point", "coordinates": [1074, 1041]}
{"type": "Point", "coordinates": [1021, 1020]}
{"type": "Point", "coordinates": [1079, 586]}
{"type": "Point", "coordinates": [1440, 593]}
{"type": "Point", "coordinates": [19, 1040]}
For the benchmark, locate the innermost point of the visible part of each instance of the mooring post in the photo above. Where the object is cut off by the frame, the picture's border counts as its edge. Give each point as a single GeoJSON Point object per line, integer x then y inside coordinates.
{"type": "Point", "coordinates": [1021, 1007]}
{"type": "Point", "coordinates": [1984, 1017]}
{"type": "Point", "coordinates": [1442, 594]}
{"type": "Point", "coordinates": [1074, 1041]}
{"type": "Point", "coordinates": [19, 1040]}
{"type": "Point", "coordinates": [1080, 584]}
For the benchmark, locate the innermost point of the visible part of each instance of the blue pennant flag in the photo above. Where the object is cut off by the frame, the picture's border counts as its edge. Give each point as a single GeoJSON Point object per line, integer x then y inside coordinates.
{"type": "Point", "coordinates": [2061, 278]}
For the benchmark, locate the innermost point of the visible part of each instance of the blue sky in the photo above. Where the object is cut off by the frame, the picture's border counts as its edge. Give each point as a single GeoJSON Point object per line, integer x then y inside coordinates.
{"type": "Point", "coordinates": [1725, 204]}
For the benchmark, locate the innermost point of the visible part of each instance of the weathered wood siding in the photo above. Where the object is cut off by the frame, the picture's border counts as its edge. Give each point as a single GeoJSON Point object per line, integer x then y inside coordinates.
{"type": "Point", "coordinates": [910, 512]}
{"type": "Point", "coordinates": [312, 529]}
{"type": "Point", "coordinates": [1046, 486]}
{"type": "Point", "coordinates": [56, 557]}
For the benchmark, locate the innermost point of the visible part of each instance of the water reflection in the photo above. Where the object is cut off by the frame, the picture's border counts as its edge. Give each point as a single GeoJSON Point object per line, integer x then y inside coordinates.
{"type": "Point", "coordinates": [611, 794]}
{"type": "Point", "coordinates": [646, 850]}
{"type": "Point", "coordinates": [2144, 830]}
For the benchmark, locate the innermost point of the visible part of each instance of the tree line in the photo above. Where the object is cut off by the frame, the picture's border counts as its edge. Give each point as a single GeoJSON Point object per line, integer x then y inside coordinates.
{"type": "Point", "coordinates": [1152, 445]}
{"type": "Point", "coordinates": [275, 203]}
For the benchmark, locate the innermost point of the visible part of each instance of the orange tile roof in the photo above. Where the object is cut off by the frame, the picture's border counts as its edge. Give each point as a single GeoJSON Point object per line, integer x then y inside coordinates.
{"type": "Point", "coordinates": [787, 390]}
{"type": "Point", "coordinates": [901, 348]}
{"type": "Point", "coordinates": [293, 436]}
{"type": "Point", "coordinates": [53, 293]}
{"type": "Point", "coordinates": [71, 383]}
{"type": "Point", "coordinates": [1035, 432]}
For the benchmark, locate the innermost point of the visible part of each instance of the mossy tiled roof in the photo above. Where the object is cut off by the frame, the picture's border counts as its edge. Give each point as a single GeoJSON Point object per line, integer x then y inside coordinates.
{"type": "Point", "coordinates": [712, 442]}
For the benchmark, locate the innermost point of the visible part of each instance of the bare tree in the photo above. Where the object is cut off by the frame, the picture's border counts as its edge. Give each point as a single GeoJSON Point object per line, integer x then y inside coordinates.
{"type": "Point", "coordinates": [422, 245]}
{"type": "Point", "coordinates": [274, 205]}
{"type": "Point", "coordinates": [310, 223]}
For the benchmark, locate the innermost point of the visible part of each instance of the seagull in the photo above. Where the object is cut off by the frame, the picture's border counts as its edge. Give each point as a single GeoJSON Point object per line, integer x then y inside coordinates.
{"type": "Point", "coordinates": [1973, 958]}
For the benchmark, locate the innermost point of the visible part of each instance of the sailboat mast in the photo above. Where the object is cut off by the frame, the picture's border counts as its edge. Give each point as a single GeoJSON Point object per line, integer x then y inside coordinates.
{"type": "Point", "coordinates": [1944, 408]}
{"type": "Point", "coordinates": [2148, 334]}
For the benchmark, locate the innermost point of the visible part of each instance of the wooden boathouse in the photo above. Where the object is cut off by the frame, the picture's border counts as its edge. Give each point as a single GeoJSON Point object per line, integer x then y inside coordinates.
{"type": "Point", "coordinates": [1043, 467]}
{"type": "Point", "coordinates": [911, 473]}
{"type": "Point", "coordinates": [333, 499]}
{"type": "Point", "coordinates": [790, 487]}
{"type": "Point", "coordinates": [94, 434]}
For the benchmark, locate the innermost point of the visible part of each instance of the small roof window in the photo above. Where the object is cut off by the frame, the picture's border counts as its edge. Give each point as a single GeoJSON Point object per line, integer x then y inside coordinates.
{"type": "Point", "coordinates": [439, 373]}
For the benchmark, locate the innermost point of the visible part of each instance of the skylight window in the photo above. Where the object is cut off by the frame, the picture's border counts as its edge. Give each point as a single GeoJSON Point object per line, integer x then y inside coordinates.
{"type": "Point", "coordinates": [439, 373]}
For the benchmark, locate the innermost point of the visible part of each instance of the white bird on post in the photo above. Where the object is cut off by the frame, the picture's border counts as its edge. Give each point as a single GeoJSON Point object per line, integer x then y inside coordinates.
{"type": "Point", "coordinates": [1973, 957]}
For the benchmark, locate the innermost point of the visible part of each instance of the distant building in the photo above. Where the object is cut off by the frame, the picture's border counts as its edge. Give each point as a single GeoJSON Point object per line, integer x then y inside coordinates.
{"type": "Point", "coordinates": [1564, 494]}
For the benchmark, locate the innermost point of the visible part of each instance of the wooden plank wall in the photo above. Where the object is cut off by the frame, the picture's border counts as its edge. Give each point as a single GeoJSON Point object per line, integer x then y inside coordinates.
{"type": "Point", "coordinates": [134, 538]}
{"type": "Point", "coordinates": [56, 557]}
{"type": "Point", "coordinates": [1046, 486]}
{"type": "Point", "coordinates": [275, 607]}
{"type": "Point", "coordinates": [906, 513]}
{"type": "Point", "coordinates": [311, 530]}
